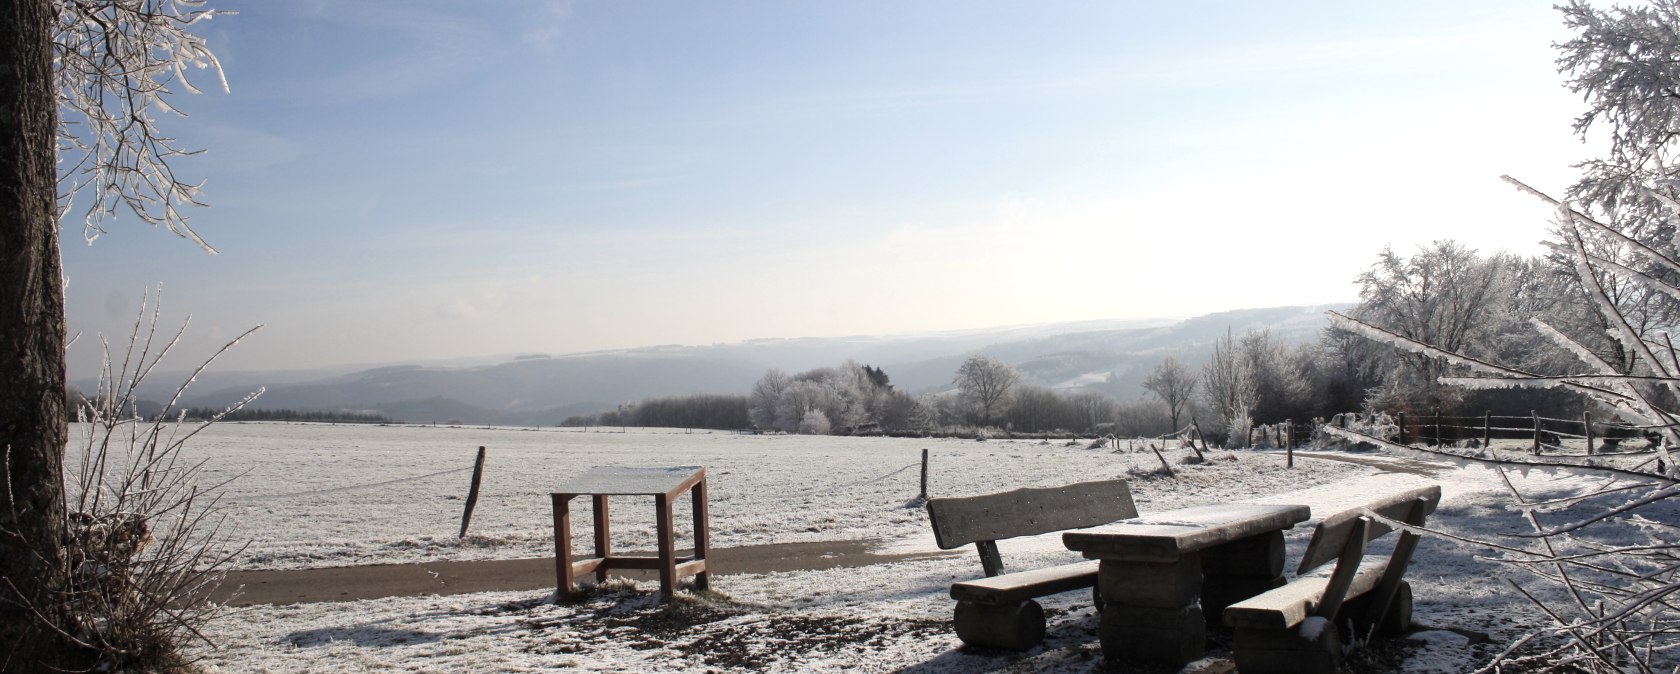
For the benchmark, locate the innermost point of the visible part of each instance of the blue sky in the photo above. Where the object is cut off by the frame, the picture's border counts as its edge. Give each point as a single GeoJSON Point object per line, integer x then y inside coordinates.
{"type": "Point", "coordinates": [400, 181]}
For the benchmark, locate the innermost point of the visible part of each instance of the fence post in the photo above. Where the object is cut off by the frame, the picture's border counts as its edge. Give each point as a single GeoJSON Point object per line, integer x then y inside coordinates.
{"type": "Point", "coordinates": [1289, 424]}
{"type": "Point", "coordinates": [1438, 442]}
{"type": "Point", "coordinates": [1586, 421]}
{"type": "Point", "coordinates": [1487, 429]}
{"type": "Point", "coordinates": [924, 474]}
{"type": "Point", "coordinates": [1536, 415]}
{"type": "Point", "coordinates": [472, 493]}
{"type": "Point", "coordinates": [1251, 436]}
{"type": "Point", "coordinates": [1402, 421]}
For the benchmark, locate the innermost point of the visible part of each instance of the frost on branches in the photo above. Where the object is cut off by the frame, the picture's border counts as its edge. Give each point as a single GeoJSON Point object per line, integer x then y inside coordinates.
{"type": "Point", "coordinates": [1618, 571]}
{"type": "Point", "coordinates": [115, 61]}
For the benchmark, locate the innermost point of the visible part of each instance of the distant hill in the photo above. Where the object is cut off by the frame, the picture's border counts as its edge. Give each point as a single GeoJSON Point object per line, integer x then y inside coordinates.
{"type": "Point", "coordinates": [1108, 356]}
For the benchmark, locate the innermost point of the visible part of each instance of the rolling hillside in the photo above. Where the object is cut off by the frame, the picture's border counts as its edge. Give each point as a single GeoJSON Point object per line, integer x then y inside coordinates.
{"type": "Point", "coordinates": [1108, 356]}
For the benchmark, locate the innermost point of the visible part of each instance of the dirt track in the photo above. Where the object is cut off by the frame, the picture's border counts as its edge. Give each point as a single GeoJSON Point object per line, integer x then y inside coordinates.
{"type": "Point", "coordinates": [350, 583]}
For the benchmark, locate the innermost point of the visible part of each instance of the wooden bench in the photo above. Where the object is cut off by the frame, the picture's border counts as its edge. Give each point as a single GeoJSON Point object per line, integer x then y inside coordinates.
{"type": "Point", "coordinates": [998, 611]}
{"type": "Point", "coordinates": [1293, 629]}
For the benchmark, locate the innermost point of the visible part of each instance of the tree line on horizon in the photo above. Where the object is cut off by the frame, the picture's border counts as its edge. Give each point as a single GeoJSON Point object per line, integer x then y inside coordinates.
{"type": "Point", "coordinates": [1444, 293]}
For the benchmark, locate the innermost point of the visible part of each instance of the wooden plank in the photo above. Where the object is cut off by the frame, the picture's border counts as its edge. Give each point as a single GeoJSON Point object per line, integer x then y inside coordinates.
{"type": "Point", "coordinates": [1397, 563]}
{"type": "Point", "coordinates": [1165, 537]}
{"type": "Point", "coordinates": [603, 535]}
{"type": "Point", "coordinates": [990, 561]}
{"type": "Point", "coordinates": [698, 476]}
{"type": "Point", "coordinates": [1028, 512]}
{"type": "Point", "coordinates": [582, 567]}
{"type": "Point", "coordinates": [1347, 566]}
{"type": "Point", "coordinates": [642, 562]}
{"type": "Point", "coordinates": [631, 481]}
{"type": "Point", "coordinates": [665, 530]}
{"type": "Point", "coordinates": [1332, 534]}
{"type": "Point", "coordinates": [563, 578]}
{"type": "Point", "coordinates": [1287, 606]}
{"type": "Point", "coordinates": [702, 535]}
{"type": "Point", "coordinates": [693, 567]}
{"type": "Point", "coordinates": [1014, 588]}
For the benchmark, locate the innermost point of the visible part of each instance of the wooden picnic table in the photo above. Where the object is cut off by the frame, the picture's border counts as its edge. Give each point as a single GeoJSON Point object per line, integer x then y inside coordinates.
{"type": "Point", "coordinates": [664, 485]}
{"type": "Point", "coordinates": [1164, 576]}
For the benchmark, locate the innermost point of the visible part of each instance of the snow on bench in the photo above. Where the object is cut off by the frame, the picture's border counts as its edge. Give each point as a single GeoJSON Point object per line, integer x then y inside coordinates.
{"type": "Point", "coordinates": [998, 611]}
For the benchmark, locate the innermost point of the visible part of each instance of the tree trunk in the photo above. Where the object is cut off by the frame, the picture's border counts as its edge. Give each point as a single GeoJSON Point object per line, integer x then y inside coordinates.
{"type": "Point", "coordinates": [33, 430]}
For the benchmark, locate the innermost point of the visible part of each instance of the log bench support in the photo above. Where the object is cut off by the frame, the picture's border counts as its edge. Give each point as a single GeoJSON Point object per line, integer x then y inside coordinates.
{"type": "Point", "coordinates": [1151, 609]}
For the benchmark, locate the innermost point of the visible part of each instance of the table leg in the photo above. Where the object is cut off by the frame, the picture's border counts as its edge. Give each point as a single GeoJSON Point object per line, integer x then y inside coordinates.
{"type": "Point", "coordinates": [1238, 570]}
{"type": "Point", "coordinates": [1150, 610]}
{"type": "Point", "coordinates": [702, 539]}
{"type": "Point", "coordinates": [603, 537]}
{"type": "Point", "coordinates": [565, 584]}
{"type": "Point", "coordinates": [667, 545]}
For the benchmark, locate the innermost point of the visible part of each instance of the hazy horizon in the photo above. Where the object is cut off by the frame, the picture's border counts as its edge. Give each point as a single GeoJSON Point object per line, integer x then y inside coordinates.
{"type": "Point", "coordinates": [422, 181]}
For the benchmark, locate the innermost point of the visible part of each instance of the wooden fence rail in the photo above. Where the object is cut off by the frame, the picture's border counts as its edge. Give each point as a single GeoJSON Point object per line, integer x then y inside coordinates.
{"type": "Point", "coordinates": [1542, 434]}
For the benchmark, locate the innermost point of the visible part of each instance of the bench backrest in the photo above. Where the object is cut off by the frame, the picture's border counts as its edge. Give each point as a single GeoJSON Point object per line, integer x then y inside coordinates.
{"type": "Point", "coordinates": [983, 520]}
{"type": "Point", "coordinates": [1330, 538]}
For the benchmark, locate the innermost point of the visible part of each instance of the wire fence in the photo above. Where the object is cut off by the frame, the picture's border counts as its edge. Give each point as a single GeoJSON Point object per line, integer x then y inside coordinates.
{"type": "Point", "coordinates": [334, 490]}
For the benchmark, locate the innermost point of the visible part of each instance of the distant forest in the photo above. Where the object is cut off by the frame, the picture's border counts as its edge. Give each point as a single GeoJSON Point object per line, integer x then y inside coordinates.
{"type": "Point", "coordinates": [77, 407]}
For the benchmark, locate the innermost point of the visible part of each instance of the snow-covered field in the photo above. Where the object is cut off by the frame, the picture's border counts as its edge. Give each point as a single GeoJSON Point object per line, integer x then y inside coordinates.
{"type": "Point", "coordinates": [324, 495]}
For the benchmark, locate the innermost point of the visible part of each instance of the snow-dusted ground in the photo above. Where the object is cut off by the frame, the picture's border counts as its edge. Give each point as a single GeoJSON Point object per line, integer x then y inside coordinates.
{"type": "Point", "coordinates": [314, 495]}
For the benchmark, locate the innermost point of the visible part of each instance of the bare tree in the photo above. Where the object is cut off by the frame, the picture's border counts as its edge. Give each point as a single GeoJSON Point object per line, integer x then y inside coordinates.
{"type": "Point", "coordinates": [765, 399]}
{"type": "Point", "coordinates": [1440, 295]}
{"type": "Point", "coordinates": [1229, 388]}
{"type": "Point", "coordinates": [984, 382]}
{"type": "Point", "coordinates": [1174, 383]}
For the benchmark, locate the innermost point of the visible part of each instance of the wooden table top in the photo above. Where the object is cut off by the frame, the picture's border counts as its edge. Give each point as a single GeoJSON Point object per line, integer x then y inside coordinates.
{"type": "Point", "coordinates": [631, 481]}
{"type": "Point", "coordinates": [1168, 536]}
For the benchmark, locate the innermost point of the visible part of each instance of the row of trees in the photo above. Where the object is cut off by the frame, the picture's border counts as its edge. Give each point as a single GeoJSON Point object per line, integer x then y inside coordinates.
{"type": "Point", "coordinates": [987, 392]}
{"type": "Point", "coordinates": [284, 414]}
{"type": "Point", "coordinates": [1444, 294]}
{"type": "Point", "coordinates": [846, 399]}
{"type": "Point", "coordinates": [705, 410]}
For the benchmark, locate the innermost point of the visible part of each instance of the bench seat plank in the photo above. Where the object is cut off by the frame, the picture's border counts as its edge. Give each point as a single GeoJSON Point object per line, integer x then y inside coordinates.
{"type": "Point", "coordinates": [1288, 606]}
{"type": "Point", "coordinates": [1014, 588]}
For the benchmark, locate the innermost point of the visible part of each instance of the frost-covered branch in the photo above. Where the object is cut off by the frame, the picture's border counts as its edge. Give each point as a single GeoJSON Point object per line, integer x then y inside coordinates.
{"type": "Point", "coordinates": [115, 62]}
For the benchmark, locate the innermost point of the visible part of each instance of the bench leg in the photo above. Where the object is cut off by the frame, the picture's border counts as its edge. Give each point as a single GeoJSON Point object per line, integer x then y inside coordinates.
{"type": "Point", "coordinates": [1315, 647]}
{"type": "Point", "coordinates": [1016, 627]}
{"type": "Point", "coordinates": [1395, 621]}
